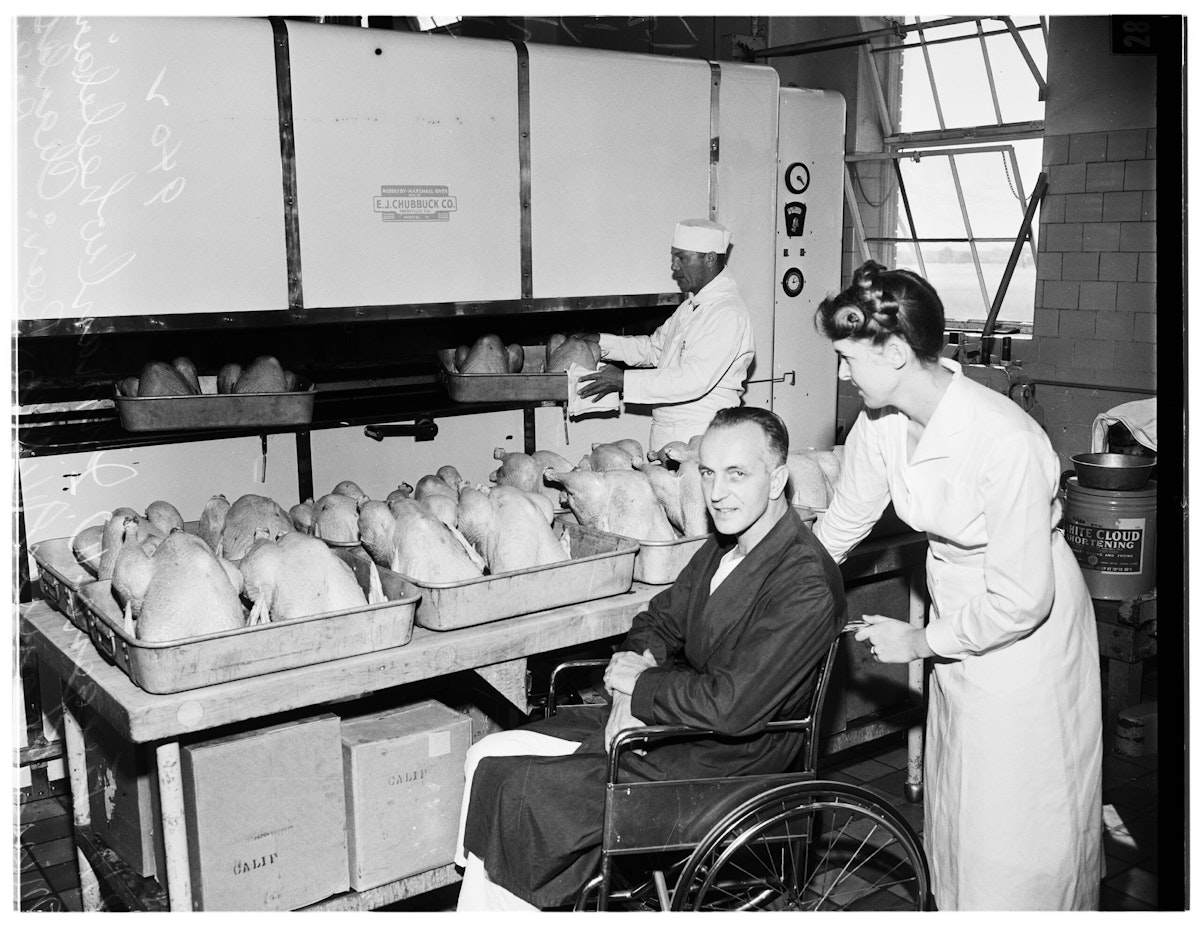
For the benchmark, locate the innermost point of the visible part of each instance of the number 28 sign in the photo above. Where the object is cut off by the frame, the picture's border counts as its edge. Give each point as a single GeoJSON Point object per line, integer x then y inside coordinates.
{"type": "Point", "coordinates": [1137, 35]}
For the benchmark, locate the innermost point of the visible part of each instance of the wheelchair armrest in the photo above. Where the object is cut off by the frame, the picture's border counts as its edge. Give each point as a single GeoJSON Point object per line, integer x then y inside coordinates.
{"type": "Point", "coordinates": [551, 697]}
{"type": "Point", "coordinates": [628, 739]}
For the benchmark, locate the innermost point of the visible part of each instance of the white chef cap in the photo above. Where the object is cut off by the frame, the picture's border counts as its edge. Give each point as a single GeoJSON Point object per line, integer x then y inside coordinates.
{"type": "Point", "coordinates": [701, 235]}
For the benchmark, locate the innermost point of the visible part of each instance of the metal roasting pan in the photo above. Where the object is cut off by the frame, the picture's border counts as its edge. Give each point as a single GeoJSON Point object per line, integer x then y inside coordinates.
{"type": "Point", "coordinates": [230, 655]}
{"type": "Point", "coordinates": [209, 410]}
{"type": "Point", "coordinates": [659, 562]}
{"type": "Point", "coordinates": [62, 577]}
{"type": "Point", "coordinates": [533, 383]}
{"type": "Point", "coordinates": [601, 565]}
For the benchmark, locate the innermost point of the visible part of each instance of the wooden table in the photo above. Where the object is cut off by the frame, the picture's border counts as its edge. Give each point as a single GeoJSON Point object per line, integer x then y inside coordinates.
{"type": "Point", "coordinates": [497, 651]}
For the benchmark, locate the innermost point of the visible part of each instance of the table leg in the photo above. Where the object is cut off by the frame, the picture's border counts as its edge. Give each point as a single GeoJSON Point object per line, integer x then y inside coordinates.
{"type": "Point", "coordinates": [1124, 687]}
{"type": "Point", "coordinates": [914, 784]}
{"type": "Point", "coordinates": [89, 886]}
{"type": "Point", "coordinates": [174, 829]}
{"type": "Point", "coordinates": [508, 678]}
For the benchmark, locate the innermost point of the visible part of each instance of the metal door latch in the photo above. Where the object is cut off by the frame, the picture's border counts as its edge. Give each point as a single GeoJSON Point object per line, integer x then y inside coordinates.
{"type": "Point", "coordinates": [790, 376]}
{"type": "Point", "coordinates": [420, 429]}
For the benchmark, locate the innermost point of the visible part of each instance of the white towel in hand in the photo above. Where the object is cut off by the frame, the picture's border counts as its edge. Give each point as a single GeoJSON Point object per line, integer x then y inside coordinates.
{"type": "Point", "coordinates": [577, 406]}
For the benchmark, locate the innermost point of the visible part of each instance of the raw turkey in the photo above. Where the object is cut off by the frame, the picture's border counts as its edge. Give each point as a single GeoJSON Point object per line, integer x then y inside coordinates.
{"type": "Point", "coordinates": [302, 516]}
{"type": "Point", "coordinates": [526, 471]}
{"type": "Point", "coordinates": [403, 490]}
{"type": "Point", "coordinates": [439, 497]}
{"type": "Point", "coordinates": [165, 516]}
{"type": "Point", "coordinates": [489, 355]}
{"type": "Point", "coordinates": [335, 518]}
{"type": "Point", "coordinates": [619, 501]}
{"type": "Point", "coordinates": [620, 454]}
{"type": "Point", "coordinates": [677, 450]}
{"type": "Point", "coordinates": [548, 459]}
{"type": "Point", "coordinates": [182, 590]}
{"type": "Point", "coordinates": [158, 378]}
{"type": "Point", "coordinates": [681, 494]}
{"type": "Point", "coordinates": [424, 548]}
{"type": "Point", "coordinates": [212, 520]}
{"type": "Point", "coordinates": [518, 470]}
{"type": "Point", "coordinates": [251, 517]}
{"type": "Point", "coordinates": [376, 531]}
{"type": "Point", "coordinates": [509, 529]}
{"type": "Point", "coordinates": [349, 489]}
{"type": "Point", "coordinates": [433, 485]}
{"type": "Point", "coordinates": [808, 486]}
{"type": "Point", "coordinates": [264, 374]}
{"type": "Point", "coordinates": [297, 576]}
{"type": "Point", "coordinates": [562, 350]}
{"type": "Point", "coordinates": [88, 546]}
{"type": "Point", "coordinates": [830, 462]}
{"type": "Point", "coordinates": [450, 476]}
{"type": "Point", "coordinates": [115, 536]}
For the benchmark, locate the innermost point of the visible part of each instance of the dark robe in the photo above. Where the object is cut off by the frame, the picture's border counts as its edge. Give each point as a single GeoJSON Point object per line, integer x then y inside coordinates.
{"type": "Point", "coordinates": [730, 661]}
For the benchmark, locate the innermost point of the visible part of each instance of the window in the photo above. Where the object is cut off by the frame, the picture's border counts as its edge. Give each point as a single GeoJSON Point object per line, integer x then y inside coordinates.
{"type": "Point", "coordinates": [965, 157]}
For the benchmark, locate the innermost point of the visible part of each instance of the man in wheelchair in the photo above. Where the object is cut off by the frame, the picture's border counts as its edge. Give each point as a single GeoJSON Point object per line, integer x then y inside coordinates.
{"type": "Point", "coordinates": [735, 642]}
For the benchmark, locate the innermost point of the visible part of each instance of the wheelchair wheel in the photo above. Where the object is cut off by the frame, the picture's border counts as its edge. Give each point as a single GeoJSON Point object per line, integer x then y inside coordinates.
{"type": "Point", "coordinates": [810, 846]}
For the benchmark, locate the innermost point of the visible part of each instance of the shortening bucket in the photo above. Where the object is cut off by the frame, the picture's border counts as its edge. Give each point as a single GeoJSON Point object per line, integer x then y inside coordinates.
{"type": "Point", "coordinates": [1112, 534]}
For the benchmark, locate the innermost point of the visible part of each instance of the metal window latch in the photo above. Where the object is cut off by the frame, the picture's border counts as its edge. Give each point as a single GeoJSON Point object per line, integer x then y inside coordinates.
{"type": "Point", "coordinates": [790, 376]}
{"type": "Point", "coordinates": [421, 429]}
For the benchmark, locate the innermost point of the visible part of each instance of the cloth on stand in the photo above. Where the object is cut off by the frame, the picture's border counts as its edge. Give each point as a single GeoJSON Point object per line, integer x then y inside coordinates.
{"type": "Point", "coordinates": [1139, 417]}
{"type": "Point", "coordinates": [577, 406]}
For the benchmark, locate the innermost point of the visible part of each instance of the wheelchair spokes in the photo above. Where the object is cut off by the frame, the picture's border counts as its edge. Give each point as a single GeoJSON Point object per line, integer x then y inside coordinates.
{"type": "Point", "coordinates": [816, 847]}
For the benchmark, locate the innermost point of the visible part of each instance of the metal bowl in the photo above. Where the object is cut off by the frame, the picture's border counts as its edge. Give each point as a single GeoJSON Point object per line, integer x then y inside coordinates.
{"type": "Point", "coordinates": [1113, 471]}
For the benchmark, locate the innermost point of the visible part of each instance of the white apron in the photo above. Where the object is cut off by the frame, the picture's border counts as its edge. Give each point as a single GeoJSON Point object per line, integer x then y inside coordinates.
{"type": "Point", "coordinates": [1013, 738]}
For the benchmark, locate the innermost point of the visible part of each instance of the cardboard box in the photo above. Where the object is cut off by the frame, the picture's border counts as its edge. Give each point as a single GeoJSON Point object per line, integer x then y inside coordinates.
{"type": "Point", "coordinates": [266, 817]}
{"type": "Point", "coordinates": [482, 723]}
{"type": "Point", "coordinates": [123, 796]}
{"type": "Point", "coordinates": [404, 785]}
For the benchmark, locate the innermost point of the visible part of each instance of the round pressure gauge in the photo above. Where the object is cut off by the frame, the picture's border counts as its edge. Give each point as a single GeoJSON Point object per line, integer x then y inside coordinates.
{"type": "Point", "coordinates": [796, 177]}
{"type": "Point", "coordinates": [793, 282]}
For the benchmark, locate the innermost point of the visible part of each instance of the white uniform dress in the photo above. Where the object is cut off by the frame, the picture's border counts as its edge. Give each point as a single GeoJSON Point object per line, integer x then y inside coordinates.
{"type": "Point", "coordinates": [1013, 734]}
{"type": "Point", "coordinates": [700, 356]}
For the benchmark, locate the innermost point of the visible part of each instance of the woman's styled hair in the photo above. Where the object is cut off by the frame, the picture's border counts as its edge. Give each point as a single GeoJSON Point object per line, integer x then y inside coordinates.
{"type": "Point", "coordinates": [768, 422]}
{"type": "Point", "coordinates": [879, 303]}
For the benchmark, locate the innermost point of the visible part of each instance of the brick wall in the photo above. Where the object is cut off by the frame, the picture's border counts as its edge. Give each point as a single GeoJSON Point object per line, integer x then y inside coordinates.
{"type": "Point", "coordinates": [1095, 319]}
{"type": "Point", "coordinates": [1095, 327]}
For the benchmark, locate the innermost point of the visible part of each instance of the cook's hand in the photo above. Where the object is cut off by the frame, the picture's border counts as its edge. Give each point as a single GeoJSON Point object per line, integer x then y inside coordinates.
{"type": "Point", "coordinates": [590, 336]}
{"type": "Point", "coordinates": [623, 670]}
{"type": "Point", "coordinates": [606, 379]}
{"type": "Point", "coordinates": [620, 717]}
{"type": "Point", "coordinates": [893, 641]}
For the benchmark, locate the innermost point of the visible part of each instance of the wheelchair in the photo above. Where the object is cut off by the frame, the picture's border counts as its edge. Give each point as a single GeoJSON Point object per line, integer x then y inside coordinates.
{"type": "Point", "coordinates": [786, 841]}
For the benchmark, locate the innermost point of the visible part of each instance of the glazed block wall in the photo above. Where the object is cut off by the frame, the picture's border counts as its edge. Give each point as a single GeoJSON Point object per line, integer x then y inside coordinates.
{"type": "Point", "coordinates": [1095, 317]}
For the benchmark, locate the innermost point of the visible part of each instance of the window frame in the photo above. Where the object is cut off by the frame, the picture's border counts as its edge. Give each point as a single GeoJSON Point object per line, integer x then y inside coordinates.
{"type": "Point", "coordinates": [952, 143]}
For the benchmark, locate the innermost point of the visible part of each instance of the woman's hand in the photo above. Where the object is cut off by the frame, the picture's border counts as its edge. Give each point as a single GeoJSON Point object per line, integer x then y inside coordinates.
{"type": "Point", "coordinates": [893, 641]}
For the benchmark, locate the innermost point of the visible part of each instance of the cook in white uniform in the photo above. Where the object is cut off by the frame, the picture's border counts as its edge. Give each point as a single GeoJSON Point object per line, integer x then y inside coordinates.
{"type": "Point", "coordinates": [696, 363]}
{"type": "Point", "coordinates": [1013, 736]}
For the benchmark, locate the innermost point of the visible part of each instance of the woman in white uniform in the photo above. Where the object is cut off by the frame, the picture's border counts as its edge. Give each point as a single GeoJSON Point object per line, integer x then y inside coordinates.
{"type": "Point", "coordinates": [1013, 733]}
